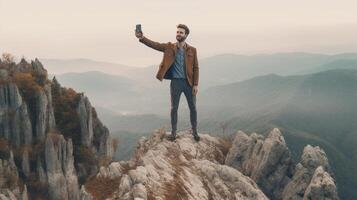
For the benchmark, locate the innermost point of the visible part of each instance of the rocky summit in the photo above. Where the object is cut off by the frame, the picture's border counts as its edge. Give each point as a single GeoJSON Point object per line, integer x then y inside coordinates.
{"type": "Point", "coordinates": [250, 167]}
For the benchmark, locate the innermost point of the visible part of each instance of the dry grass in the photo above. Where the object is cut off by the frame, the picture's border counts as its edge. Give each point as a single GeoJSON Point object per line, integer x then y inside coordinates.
{"type": "Point", "coordinates": [225, 145]}
{"type": "Point", "coordinates": [176, 190]}
{"type": "Point", "coordinates": [141, 150]}
{"type": "Point", "coordinates": [104, 161]}
{"type": "Point", "coordinates": [104, 187]}
{"type": "Point", "coordinates": [162, 133]}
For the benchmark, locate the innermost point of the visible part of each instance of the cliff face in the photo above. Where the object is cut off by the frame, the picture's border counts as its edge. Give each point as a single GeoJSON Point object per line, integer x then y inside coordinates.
{"type": "Point", "coordinates": [250, 167]}
{"type": "Point", "coordinates": [47, 132]}
{"type": "Point", "coordinates": [268, 162]}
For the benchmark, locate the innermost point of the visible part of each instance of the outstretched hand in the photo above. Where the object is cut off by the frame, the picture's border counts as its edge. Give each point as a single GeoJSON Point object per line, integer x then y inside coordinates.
{"type": "Point", "coordinates": [194, 89]}
{"type": "Point", "coordinates": [139, 34]}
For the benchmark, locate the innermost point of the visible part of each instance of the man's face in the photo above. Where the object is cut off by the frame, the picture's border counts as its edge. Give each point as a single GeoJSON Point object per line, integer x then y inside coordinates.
{"type": "Point", "coordinates": [180, 34]}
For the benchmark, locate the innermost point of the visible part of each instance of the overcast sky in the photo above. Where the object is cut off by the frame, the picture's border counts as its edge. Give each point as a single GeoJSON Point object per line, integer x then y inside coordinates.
{"type": "Point", "coordinates": [104, 30]}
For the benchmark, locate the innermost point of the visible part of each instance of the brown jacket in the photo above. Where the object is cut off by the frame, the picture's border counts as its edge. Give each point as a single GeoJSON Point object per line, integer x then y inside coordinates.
{"type": "Point", "coordinates": [169, 49]}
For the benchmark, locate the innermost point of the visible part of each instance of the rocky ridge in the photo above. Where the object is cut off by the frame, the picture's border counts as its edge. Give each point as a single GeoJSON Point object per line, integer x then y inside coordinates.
{"type": "Point", "coordinates": [251, 167]}
{"type": "Point", "coordinates": [40, 157]}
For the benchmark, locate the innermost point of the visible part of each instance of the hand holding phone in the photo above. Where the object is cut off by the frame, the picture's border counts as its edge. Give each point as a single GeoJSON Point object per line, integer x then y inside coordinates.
{"type": "Point", "coordinates": [138, 31]}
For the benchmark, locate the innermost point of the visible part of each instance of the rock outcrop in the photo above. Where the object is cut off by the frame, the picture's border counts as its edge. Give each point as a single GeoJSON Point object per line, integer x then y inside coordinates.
{"type": "Point", "coordinates": [9, 178]}
{"type": "Point", "coordinates": [60, 172]}
{"type": "Point", "coordinates": [268, 162]}
{"type": "Point", "coordinates": [184, 169]}
{"type": "Point", "coordinates": [84, 110]}
{"type": "Point", "coordinates": [302, 185]}
{"type": "Point", "coordinates": [42, 152]}
{"type": "Point", "coordinates": [15, 124]}
{"type": "Point", "coordinates": [252, 167]}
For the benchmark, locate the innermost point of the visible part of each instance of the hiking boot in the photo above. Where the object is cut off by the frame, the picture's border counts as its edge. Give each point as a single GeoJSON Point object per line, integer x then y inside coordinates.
{"type": "Point", "coordinates": [195, 135]}
{"type": "Point", "coordinates": [172, 137]}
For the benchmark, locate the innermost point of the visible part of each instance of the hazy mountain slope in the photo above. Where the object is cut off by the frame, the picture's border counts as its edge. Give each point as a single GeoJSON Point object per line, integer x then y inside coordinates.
{"type": "Point", "coordinates": [60, 66]}
{"type": "Point", "coordinates": [145, 94]}
{"type": "Point", "coordinates": [336, 64]}
{"type": "Point", "coordinates": [229, 68]}
{"type": "Point", "coordinates": [318, 108]}
{"type": "Point", "coordinates": [105, 89]}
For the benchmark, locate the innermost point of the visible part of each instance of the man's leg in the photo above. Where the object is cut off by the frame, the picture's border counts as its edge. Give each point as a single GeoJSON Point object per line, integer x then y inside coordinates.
{"type": "Point", "coordinates": [175, 92]}
{"type": "Point", "coordinates": [191, 101]}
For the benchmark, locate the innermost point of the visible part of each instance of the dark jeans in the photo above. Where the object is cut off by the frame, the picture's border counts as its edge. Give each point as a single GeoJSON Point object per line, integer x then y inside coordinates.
{"type": "Point", "coordinates": [177, 86]}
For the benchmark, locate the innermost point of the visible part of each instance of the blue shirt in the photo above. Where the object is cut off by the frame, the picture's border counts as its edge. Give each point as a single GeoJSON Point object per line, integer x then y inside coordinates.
{"type": "Point", "coordinates": [178, 67]}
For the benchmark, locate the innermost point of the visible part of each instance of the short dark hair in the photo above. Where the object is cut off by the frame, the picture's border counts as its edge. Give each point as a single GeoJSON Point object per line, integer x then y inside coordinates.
{"type": "Point", "coordinates": [187, 30]}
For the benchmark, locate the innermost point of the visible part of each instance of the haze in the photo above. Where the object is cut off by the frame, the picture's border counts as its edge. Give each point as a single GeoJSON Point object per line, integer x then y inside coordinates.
{"type": "Point", "coordinates": [104, 30]}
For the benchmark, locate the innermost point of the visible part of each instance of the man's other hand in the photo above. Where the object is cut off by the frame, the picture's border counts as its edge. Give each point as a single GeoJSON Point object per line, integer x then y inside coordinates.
{"type": "Point", "coordinates": [194, 89]}
{"type": "Point", "coordinates": [139, 34]}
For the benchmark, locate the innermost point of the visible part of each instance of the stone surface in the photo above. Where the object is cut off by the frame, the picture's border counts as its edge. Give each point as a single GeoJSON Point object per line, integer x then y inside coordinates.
{"type": "Point", "coordinates": [84, 110]}
{"type": "Point", "coordinates": [15, 122]}
{"type": "Point", "coordinates": [266, 160]}
{"type": "Point", "coordinates": [29, 125]}
{"type": "Point", "coordinates": [183, 169]}
{"type": "Point", "coordinates": [322, 186]}
{"type": "Point", "coordinates": [311, 159]}
{"type": "Point", "coordinates": [60, 171]}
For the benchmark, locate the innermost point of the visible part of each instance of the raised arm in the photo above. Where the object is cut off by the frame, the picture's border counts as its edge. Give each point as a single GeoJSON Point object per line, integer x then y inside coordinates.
{"type": "Point", "coordinates": [155, 45]}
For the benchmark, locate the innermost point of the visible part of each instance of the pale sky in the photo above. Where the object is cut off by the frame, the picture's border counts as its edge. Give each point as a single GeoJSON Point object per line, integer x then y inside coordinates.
{"type": "Point", "coordinates": [104, 30]}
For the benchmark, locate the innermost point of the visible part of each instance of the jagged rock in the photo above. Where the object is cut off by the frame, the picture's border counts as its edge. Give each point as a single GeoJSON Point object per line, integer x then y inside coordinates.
{"type": "Point", "coordinates": [185, 169]}
{"type": "Point", "coordinates": [14, 112]}
{"type": "Point", "coordinates": [84, 195]}
{"type": "Point", "coordinates": [38, 68]}
{"type": "Point", "coordinates": [42, 176]}
{"type": "Point", "coordinates": [51, 121]}
{"type": "Point", "coordinates": [114, 170]}
{"type": "Point", "coordinates": [61, 175]}
{"type": "Point", "coordinates": [311, 159]}
{"type": "Point", "coordinates": [25, 164]}
{"type": "Point", "coordinates": [9, 177]}
{"type": "Point", "coordinates": [125, 186]}
{"type": "Point", "coordinates": [22, 66]}
{"type": "Point", "coordinates": [10, 96]}
{"type": "Point", "coordinates": [29, 119]}
{"type": "Point", "coordinates": [8, 172]}
{"type": "Point", "coordinates": [84, 111]}
{"type": "Point", "coordinates": [266, 160]}
{"type": "Point", "coordinates": [45, 120]}
{"type": "Point", "coordinates": [322, 186]}
{"type": "Point", "coordinates": [6, 194]}
{"type": "Point", "coordinates": [105, 140]}
{"type": "Point", "coordinates": [22, 126]}
{"type": "Point", "coordinates": [24, 195]}
{"type": "Point", "coordinates": [92, 127]}
{"type": "Point", "coordinates": [15, 123]}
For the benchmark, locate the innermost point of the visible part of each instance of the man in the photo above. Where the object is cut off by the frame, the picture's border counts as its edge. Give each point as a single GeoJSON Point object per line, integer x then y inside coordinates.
{"type": "Point", "coordinates": [180, 64]}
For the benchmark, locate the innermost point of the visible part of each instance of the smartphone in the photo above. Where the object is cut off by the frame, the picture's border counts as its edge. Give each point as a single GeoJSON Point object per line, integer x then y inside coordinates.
{"type": "Point", "coordinates": [138, 28]}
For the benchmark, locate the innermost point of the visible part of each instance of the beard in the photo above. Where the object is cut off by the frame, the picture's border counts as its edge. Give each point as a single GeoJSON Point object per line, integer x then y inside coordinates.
{"type": "Point", "coordinates": [180, 39]}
